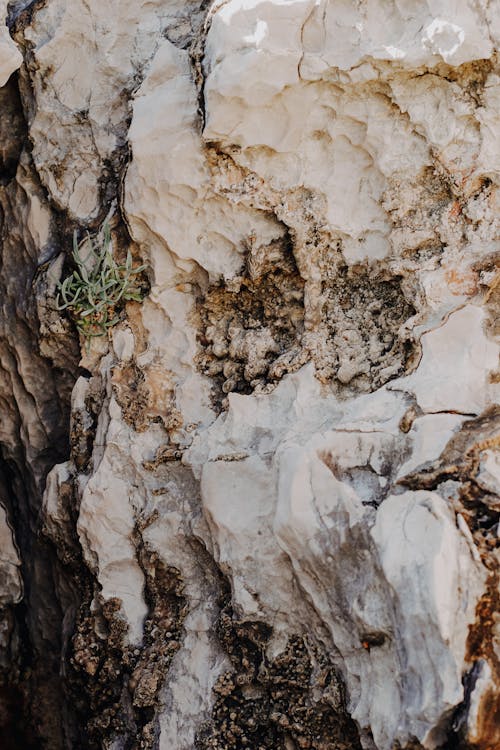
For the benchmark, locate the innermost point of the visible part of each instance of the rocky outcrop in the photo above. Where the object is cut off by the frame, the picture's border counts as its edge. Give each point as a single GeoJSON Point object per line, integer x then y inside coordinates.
{"type": "Point", "coordinates": [262, 511]}
{"type": "Point", "coordinates": [38, 365]}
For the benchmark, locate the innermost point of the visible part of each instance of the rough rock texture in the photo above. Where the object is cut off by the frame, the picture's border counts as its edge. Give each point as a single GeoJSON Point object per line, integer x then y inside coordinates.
{"type": "Point", "coordinates": [263, 513]}
{"type": "Point", "coordinates": [38, 364]}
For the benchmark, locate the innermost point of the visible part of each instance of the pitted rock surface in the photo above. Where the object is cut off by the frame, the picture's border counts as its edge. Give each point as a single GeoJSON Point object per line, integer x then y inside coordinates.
{"type": "Point", "coordinates": [262, 511]}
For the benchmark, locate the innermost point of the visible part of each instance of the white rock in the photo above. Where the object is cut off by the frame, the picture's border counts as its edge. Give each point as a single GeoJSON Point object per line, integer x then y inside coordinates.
{"type": "Point", "coordinates": [429, 435]}
{"type": "Point", "coordinates": [339, 35]}
{"type": "Point", "coordinates": [236, 519]}
{"type": "Point", "coordinates": [123, 343]}
{"type": "Point", "coordinates": [10, 57]}
{"type": "Point", "coordinates": [323, 525]}
{"type": "Point", "coordinates": [489, 476]}
{"type": "Point", "coordinates": [457, 359]}
{"type": "Point", "coordinates": [348, 135]}
{"type": "Point", "coordinates": [106, 525]}
{"type": "Point", "coordinates": [439, 110]}
{"type": "Point", "coordinates": [489, 118]}
{"type": "Point", "coordinates": [417, 531]}
{"type": "Point", "coordinates": [90, 102]}
{"type": "Point", "coordinates": [57, 521]}
{"type": "Point", "coordinates": [169, 176]}
{"type": "Point", "coordinates": [325, 135]}
{"type": "Point", "coordinates": [187, 696]}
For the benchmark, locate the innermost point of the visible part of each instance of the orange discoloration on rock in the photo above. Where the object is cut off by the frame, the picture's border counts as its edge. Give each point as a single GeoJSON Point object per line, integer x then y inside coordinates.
{"type": "Point", "coordinates": [494, 287]}
{"type": "Point", "coordinates": [480, 640]}
{"type": "Point", "coordinates": [455, 210]}
{"type": "Point", "coordinates": [461, 282]}
{"type": "Point", "coordinates": [485, 733]}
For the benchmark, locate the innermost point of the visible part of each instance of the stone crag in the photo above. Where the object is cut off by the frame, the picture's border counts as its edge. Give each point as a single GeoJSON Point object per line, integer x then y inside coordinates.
{"type": "Point", "coordinates": [262, 512]}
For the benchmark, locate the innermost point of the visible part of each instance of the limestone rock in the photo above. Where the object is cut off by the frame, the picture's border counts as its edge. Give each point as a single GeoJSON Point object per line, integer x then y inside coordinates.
{"type": "Point", "coordinates": [352, 548]}
{"type": "Point", "coordinates": [10, 57]}
{"type": "Point", "coordinates": [262, 511]}
{"type": "Point", "coordinates": [117, 42]}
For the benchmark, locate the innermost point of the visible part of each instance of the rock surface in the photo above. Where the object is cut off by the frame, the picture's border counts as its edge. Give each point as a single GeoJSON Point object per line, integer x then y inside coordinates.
{"type": "Point", "coordinates": [263, 511]}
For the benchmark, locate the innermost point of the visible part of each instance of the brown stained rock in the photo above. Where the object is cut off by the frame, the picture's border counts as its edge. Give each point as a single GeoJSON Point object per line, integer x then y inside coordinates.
{"type": "Point", "coordinates": [250, 326]}
{"type": "Point", "coordinates": [358, 343]}
{"type": "Point", "coordinates": [483, 643]}
{"type": "Point", "coordinates": [84, 424]}
{"type": "Point", "coordinates": [491, 274]}
{"type": "Point", "coordinates": [116, 686]}
{"type": "Point", "coordinates": [273, 704]}
{"type": "Point", "coordinates": [431, 197]}
{"type": "Point", "coordinates": [162, 629]}
{"type": "Point", "coordinates": [146, 395]}
{"type": "Point", "coordinates": [298, 301]}
{"type": "Point", "coordinates": [461, 456]}
{"type": "Point", "coordinates": [486, 733]}
{"type": "Point", "coordinates": [252, 329]}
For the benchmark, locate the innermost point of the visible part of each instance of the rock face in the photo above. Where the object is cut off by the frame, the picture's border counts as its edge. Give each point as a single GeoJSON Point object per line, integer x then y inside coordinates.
{"type": "Point", "coordinates": [263, 511]}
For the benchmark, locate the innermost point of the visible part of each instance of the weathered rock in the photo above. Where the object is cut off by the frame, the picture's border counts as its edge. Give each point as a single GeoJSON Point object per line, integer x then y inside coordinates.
{"type": "Point", "coordinates": [38, 360]}
{"type": "Point", "coordinates": [274, 519]}
{"type": "Point", "coordinates": [332, 490]}
{"type": "Point", "coordinates": [11, 587]}
{"type": "Point", "coordinates": [10, 57]}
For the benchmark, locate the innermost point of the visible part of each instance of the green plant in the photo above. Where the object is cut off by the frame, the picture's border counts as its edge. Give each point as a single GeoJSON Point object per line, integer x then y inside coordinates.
{"type": "Point", "coordinates": [94, 292]}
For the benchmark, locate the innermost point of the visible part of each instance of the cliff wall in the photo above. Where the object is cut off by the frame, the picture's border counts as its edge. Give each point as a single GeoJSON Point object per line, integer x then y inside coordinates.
{"type": "Point", "coordinates": [261, 511]}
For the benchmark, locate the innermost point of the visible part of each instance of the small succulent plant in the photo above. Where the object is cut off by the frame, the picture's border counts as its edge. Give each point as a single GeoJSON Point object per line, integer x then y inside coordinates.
{"type": "Point", "coordinates": [94, 292]}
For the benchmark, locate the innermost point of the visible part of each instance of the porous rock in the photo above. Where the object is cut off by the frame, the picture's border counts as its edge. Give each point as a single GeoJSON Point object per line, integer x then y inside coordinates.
{"type": "Point", "coordinates": [271, 491]}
